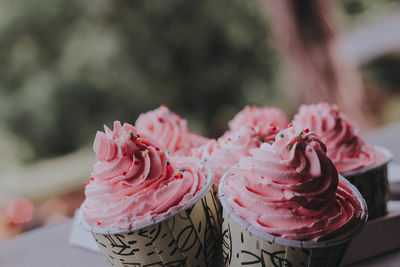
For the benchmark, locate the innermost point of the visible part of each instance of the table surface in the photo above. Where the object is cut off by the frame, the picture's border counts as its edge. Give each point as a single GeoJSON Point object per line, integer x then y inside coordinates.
{"type": "Point", "coordinates": [49, 246]}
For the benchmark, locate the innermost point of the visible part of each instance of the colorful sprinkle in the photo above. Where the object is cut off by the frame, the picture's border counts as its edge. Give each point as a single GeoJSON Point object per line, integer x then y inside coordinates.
{"type": "Point", "coordinates": [282, 135]}
{"type": "Point", "coordinates": [306, 130]}
{"type": "Point", "coordinates": [183, 170]}
{"type": "Point", "coordinates": [98, 223]}
{"type": "Point", "coordinates": [301, 133]}
{"type": "Point", "coordinates": [162, 153]}
{"type": "Point", "coordinates": [289, 147]}
{"type": "Point", "coordinates": [144, 153]}
{"type": "Point", "coordinates": [161, 120]}
{"type": "Point", "coordinates": [168, 163]}
{"type": "Point", "coordinates": [141, 176]}
{"type": "Point", "coordinates": [157, 149]}
{"type": "Point", "coordinates": [85, 183]}
{"type": "Point", "coordinates": [179, 175]}
{"type": "Point", "coordinates": [289, 125]}
{"type": "Point", "coordinates": [138, 140]}
{"type": "Point", "coordinates": [229, 139]}
{"type": "Point", "coordinates": [129, 135]}
{"type": "Point", "coordinates": [262, 139]}
{"type": "Point", "coordinates": [91, 179]}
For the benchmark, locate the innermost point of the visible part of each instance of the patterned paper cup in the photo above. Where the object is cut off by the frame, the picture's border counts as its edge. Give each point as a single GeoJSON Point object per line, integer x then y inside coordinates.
{"type": "Point", "coordinates": [245, 245]}
{"type": "Point", "coordinates": [188, 237]}
{"type": "Point", "coordinates": [372, 182]}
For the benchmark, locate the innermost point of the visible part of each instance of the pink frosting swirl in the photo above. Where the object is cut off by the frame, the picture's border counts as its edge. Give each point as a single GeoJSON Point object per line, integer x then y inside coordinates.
{"type": "Point", "coordinates": [259, 117]}
{"type": "Point", "coordinates": [346, 149]}
{"type": "Point", "coordinates": [170, 130]}
{"type": "Point", "coordinates": [290, 189]}
{"type": "Point", "coordinates": [133, 183]}
{"type": "Point", "coordinates": [222, 154]}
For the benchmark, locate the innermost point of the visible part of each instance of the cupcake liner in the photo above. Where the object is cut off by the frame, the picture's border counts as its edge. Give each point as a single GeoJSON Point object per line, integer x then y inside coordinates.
{"type": "Point", "coordinates": [372, 182]}
{"type": "Point", "coordinates": [188, 237]}
{"type": "Point", "coordinates": [244, 245]}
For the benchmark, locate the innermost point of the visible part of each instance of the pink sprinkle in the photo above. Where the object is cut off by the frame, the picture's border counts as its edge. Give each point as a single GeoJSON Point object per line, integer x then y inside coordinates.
{"type": "Point", "coordinates": [20, 210]}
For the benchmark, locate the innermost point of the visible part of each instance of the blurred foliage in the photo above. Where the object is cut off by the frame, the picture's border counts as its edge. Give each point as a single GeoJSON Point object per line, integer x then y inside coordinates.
{"type": "Point", "coordinates": [68, 66]}
{"type": "Point", "coordinates": [385, 71]}
{"type": "Point", "coordinates": [362, 10]}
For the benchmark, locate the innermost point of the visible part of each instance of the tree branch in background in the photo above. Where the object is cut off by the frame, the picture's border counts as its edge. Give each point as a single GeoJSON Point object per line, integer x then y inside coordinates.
{"type": "Point", "coordinates": [318, 71]}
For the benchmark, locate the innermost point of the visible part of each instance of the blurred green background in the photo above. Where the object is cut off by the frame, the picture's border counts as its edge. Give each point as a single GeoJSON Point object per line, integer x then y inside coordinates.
{"type": "Point", "coordinates": [67, 67]}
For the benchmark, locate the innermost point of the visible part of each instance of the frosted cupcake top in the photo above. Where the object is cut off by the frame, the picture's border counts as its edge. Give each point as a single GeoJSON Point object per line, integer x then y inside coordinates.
{"type": "Point", "coordinates": [134, 183]}
{"type": "Point", "coordinates": [290, 189]}
{"type": "Point", "coordinates": [346, 149]}
{"type": "Point", "coordinates": [170, 131]}
{"type": "Point", "coordinates": [259, 117]}
{"type": "Point", "coordinates": [222, 154]}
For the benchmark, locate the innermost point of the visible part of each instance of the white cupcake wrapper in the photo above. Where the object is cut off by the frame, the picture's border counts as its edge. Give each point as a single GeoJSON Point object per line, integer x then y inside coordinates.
{"type": "Point", "coordinates": [186, 237]}
{"type": "Point", "coordinates": [243, 244]}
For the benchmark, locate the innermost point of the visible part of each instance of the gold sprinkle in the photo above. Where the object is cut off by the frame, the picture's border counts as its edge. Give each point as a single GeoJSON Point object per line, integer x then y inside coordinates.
{"type": "Point", "coordinates": [129, 135]}
{"type": "Point", "coordinates": [141, 176]}
{"type": "Point", "coordinates": [138, 139]}
{"type": "Point", "coordinates": [144, 153]}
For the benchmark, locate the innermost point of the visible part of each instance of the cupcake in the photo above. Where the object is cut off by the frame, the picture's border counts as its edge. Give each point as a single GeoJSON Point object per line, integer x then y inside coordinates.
{"type": "Point", "coordinates": [144, 207]}
{"type": "Point", "coordinates": [170, 130]}
{"type": "Point", "coordinates": [259, 117]}
{"type": "Point", "coordinates": [286, 206]}
{"type": "Point", "coordinates": [363, 165]}
{"type": "Point", "coordinates": [222, 154]}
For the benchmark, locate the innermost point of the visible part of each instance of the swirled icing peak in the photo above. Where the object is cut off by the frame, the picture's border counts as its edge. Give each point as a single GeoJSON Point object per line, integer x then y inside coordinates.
{"type": "Point", "coordinates": [259, 117]}
{"type": "Point", "coordinates": [170, 130]}
{"type": "Point", "coordinates": [290, 189]}
{"type": "Point", "coordinates": [346, 149]}
{"type": "Point", "coordinates": [133, 182]}
{"type": "Point", "coordinates": [222, 154]}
